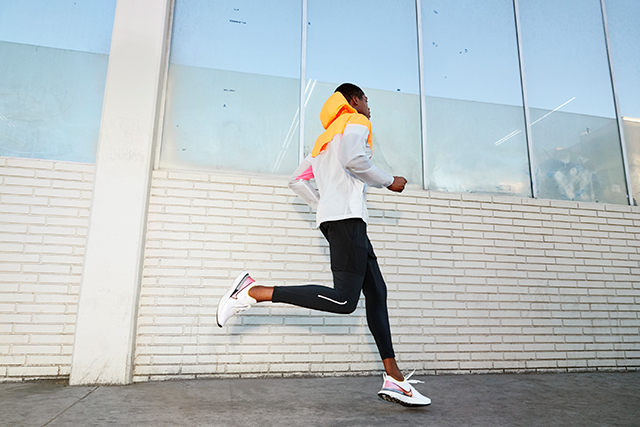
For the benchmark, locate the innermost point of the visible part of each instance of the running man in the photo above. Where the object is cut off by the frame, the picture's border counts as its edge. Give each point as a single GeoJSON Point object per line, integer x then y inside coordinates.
{"type": "Point", "coordinates": [341, 164]}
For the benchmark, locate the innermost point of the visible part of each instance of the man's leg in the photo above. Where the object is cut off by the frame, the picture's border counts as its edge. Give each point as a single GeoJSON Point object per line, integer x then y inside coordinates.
{"type": "Point", "coordinates": [348, 251]}
{"type": "Point", "coordinates": [375, 293]}
{"type": "Point", "coordinates": [352, 271]}
{"type": "Point", "coordinates": [395, 387]}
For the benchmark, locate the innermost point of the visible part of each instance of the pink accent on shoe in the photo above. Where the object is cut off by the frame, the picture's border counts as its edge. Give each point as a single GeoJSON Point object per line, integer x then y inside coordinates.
{"type": "Point", "coordinates": [247, 281]}
{"type": "Point", "coordinates": [390, 385]}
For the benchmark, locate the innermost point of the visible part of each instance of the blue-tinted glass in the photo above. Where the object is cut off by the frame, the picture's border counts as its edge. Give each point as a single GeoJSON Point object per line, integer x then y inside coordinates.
{"type": "Point", "coordinates": [576, 144]}
{"type": "Point", "coordinates": [52, 77]}
{"type": "Point", "coordinates": [372, 44]}
{"type": "Point", "coordinates": [474, 111]}
{"type": "Point", "coordinates": [233, 87]}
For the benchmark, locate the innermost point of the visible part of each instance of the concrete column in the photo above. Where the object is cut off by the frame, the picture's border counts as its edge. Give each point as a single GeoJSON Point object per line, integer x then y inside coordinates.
{"type": "Point", "coordinates": [108, 306]}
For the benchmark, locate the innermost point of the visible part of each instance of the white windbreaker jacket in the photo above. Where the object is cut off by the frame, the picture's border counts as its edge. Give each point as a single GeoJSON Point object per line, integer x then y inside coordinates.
{"type": "Point", "coordinates": [342, 172]}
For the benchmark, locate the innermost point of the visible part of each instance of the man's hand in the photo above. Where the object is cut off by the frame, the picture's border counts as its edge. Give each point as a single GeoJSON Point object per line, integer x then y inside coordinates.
{"type": "Point", "coordinates": [398, 184]}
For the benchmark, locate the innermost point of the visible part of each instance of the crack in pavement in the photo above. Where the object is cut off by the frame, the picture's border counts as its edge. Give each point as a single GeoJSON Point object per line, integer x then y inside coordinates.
{"type": "Point", "coordinates": [70, 406]}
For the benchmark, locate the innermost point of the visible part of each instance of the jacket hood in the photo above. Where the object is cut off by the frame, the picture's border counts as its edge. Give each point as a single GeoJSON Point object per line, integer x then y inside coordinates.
{"type": "Point", "coordinates": [333, 108]}
{"type": "Point", "coordinates": [335, 115]}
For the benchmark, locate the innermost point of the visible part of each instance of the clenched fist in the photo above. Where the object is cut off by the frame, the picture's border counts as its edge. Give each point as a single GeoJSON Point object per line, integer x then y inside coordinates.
{"type": "Point", "coordinates": [398, 184]}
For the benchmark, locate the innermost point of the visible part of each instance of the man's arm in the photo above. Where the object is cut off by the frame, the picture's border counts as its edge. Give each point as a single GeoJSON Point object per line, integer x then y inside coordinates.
{"type": "Point", "coordinates": [299, 183]}
{"type": "Point", "coordinates": [355, 156]}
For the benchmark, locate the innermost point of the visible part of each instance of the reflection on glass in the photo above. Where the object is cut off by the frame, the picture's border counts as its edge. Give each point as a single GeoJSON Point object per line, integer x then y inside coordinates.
{"type": "Point", "coordinates": [576, 145]}
{"type": "Point", "coordinates": [233, 86]}
{"type": "Point", "coordinates": [52, 77]}
{"type": "Point", "coordinates": [372, 44]}
{"type": "Point", "coordinates": [475, 119]}
{"type": "Point", "coordinates": [624, 36]}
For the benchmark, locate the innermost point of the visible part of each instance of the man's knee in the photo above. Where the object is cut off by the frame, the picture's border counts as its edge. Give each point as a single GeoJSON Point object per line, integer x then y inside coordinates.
{"type": "Point", "coordinates": [348, 308]}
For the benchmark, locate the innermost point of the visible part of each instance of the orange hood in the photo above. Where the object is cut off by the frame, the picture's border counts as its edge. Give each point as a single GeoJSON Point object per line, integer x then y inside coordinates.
{"type": "Point", "coordinates": [335, 115]}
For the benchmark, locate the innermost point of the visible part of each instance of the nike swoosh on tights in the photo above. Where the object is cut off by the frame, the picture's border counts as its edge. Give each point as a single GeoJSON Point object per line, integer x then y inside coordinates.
{"type": "Point", "coordinates": [333, 301]}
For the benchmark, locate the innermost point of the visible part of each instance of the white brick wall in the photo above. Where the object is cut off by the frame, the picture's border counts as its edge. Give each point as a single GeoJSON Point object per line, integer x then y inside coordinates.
{"type": "Point", "coordinates": [477, 283]}
{"type": "Point", "coordinates": [44, 209]}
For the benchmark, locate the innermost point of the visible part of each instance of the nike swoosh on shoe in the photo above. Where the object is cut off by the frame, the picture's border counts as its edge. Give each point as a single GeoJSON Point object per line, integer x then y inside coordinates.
{"type": "Point", "coordinates": [398, 389]}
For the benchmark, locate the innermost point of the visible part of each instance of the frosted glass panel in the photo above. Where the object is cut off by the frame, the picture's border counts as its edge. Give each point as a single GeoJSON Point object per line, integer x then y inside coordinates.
{"type": "Point", "coordinates": [475, 119]}
{"type": "Point", "coordinates": [372, 44]}
{"type": "Point", "coordinates": [476, 147]}
{"type": "Point", "coordinates": [624, 36]}
{"type": "Point", "coordinates": [576, 145]}
{"type": "Point", "coordinates": [52, 77]}
{"type": "Point", "coordinates": [233, 87]}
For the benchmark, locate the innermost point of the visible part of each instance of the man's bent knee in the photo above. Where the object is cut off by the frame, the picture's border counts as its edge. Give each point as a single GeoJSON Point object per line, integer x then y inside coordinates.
{"type": "Point", "coordinates": [347, 308]}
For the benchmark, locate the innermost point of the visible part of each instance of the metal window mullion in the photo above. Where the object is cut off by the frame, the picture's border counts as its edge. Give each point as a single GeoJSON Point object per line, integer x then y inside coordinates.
{"type": "Point", "coordinates": [303, 78]}
{"type": "Point", "coordinates": [525, 102]}
{"type": "Point", "coordinates": [623, 145]}
{"type": "Point", "coordinates": [423, 99]}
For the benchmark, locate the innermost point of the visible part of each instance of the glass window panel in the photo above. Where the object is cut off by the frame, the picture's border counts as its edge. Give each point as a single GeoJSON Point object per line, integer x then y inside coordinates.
{"type": "Point", "coordinates": [372, 44]}
{"type": "Point", "coordinates": [576, 145]}
{"type": "Point", "coordinates": [233, 86]}
{"type": "Point", "coordinates": [475, 118]}
{"type": "Point", "coordinates": [624, 36]}
{"type": "Point", "coordinates": [52, 77]}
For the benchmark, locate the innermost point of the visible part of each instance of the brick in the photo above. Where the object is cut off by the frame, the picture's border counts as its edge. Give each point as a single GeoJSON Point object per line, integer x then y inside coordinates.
{"type": "Point", "coordinates": [32, 371]}
{"type": "Point", "coordinates": [27, 182]}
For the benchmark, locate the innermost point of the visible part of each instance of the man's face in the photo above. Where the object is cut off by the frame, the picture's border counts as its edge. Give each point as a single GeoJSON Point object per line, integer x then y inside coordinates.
{"type": "Point", "coordinates": [361, 105]}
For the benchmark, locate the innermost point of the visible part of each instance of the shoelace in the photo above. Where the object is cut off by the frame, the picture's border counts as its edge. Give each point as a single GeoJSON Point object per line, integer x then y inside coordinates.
{"type": "Point", "coordinates": [412, 381]}
{"type": "Point", "coordinates": [242, 300]}
{"type": "Point", "coordinates": [239, 308]}
{"type": "Point", "coordinates": [406, 379]}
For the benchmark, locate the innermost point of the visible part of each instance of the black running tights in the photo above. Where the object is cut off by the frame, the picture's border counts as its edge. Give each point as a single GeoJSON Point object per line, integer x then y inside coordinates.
{"type": "Point", "coordinates": [355, 269]}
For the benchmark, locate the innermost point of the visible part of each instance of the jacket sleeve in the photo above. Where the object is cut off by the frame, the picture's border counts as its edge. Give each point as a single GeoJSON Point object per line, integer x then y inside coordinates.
{"type": "Point", "coordinates": [299, 183]}
{"type": "Point", "coordinates": [355, 156]}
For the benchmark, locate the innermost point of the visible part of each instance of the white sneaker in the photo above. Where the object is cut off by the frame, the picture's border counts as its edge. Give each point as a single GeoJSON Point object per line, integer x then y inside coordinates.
{"type": "Point", "coordinates": [402, 392]}
{"type": "Point", "coordinates": [236, 299]}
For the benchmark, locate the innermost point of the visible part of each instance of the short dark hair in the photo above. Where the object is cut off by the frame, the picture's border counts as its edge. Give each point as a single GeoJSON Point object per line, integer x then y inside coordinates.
{"type": "Point", "coordinates": [349, 91]}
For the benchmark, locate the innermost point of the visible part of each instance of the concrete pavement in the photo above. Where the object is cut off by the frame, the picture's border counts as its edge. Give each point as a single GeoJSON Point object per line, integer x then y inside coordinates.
{"type": "Point", "coordinates": [575, 399]}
